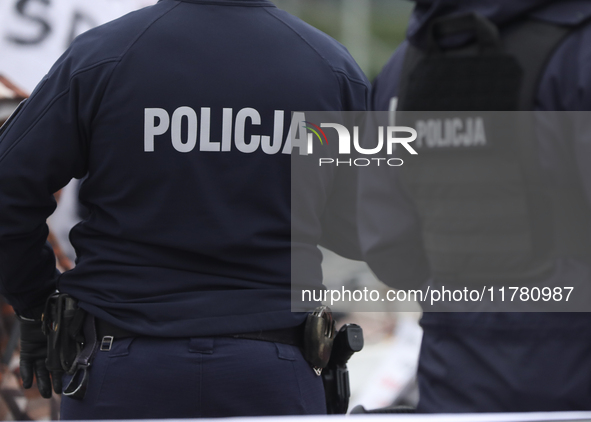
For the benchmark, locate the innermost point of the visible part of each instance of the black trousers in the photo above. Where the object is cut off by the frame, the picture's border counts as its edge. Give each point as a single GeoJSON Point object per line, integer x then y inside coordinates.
{"type": "Point", "coordinates": [505, 363]}
{"type": "Point", "coordinates": [197, 378]}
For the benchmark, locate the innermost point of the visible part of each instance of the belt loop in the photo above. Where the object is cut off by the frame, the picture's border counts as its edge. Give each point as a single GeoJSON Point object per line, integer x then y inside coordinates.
{"type": "Point", "coordinates": [106, 343]}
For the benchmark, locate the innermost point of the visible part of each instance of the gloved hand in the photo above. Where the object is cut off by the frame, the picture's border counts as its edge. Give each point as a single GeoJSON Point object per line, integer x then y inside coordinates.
{"type": "Point", "coordinates": [33, 355]}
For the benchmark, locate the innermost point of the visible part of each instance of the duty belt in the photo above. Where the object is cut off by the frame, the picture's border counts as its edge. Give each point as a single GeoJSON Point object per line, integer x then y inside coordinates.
{"type": "Point", "coordinates": [106, 333]}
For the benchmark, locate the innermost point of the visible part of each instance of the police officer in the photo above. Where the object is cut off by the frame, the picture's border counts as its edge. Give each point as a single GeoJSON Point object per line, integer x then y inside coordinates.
{"type": "Point", "coordinates": [180, 115]}
{"type": "Point", "coordinates": [493, 361]}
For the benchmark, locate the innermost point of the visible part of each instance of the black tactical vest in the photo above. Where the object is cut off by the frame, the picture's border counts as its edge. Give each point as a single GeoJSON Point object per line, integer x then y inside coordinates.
{"type": "Point", "coordinates": [487, 214]}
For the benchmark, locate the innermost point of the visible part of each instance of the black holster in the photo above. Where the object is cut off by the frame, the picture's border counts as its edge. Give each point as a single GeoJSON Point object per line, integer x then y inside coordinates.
{"type": "Point", "coordinates": [335, 375]}
{"type": "Point", "coordinates": [327, 352]}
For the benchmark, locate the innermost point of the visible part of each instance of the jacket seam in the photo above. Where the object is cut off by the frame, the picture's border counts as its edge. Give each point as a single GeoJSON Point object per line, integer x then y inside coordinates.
{"type": "Point", "coordinates": [352, 80]}
{"type": "Point", "coordinates": [333, 69]}
{"type": "Point", "coordinates": [141, 34]}
{"type": "Point", "coordinates": [52, 103]}
{"type": "Point", "coordinates": [116, 60]}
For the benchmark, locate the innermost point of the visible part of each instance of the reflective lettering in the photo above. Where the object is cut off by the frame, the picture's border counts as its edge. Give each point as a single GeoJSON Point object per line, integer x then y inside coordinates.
{"type": "Point", "coordinates": [255, 140]}
{"type": "Point", "coordinates": [205, 143]}
{"type": "Point", "coordinates": [151, 129]}
{"type": "Point", "coordinates": [177, 126]}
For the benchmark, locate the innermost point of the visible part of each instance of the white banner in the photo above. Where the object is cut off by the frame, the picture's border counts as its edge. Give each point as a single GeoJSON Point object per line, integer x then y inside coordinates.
{"type": "Point", "coordinates": [34, 33]}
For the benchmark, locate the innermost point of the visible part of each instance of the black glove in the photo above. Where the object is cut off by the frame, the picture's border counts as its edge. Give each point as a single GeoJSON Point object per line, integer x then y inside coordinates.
{"type": "Point", "coordinates": [33, 355]}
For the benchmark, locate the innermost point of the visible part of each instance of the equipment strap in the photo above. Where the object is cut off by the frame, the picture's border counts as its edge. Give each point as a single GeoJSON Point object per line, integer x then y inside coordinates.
{"type": "Point", "coordinates": [76, 389]}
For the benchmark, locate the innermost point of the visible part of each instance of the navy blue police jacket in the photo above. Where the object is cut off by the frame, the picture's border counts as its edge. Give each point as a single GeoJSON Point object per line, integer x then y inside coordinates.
{"type": "Point", "coordinates": [179, 117]}
{"type": "Point", "coordinates": [395, 253]}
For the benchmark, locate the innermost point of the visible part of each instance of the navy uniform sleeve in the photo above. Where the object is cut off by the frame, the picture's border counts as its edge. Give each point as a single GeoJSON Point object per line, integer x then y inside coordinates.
{"type": "Point", "coordinates": [389, 226]}
{"type": "Point", "coordinates": [566, 86]}
{"type": "Point", "coordinates": [339, 220]}
{"type": "Point", "coordinates": [41, 148]}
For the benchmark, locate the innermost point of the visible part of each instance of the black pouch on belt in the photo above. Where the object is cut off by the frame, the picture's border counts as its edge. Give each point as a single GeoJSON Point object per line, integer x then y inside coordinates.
{"type": "Point", "coordinates": [62, 324]}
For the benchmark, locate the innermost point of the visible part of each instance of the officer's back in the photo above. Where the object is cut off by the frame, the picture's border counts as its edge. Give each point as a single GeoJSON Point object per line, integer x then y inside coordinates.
{"type": "Point", "coordinates": [180, 115]}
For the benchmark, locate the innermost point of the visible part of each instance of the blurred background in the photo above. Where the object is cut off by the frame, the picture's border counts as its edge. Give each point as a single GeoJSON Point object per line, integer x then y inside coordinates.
{"type": "Point", "coordinates": [370, 29]}
{"type": "Point", "coordinates": [34, 33]}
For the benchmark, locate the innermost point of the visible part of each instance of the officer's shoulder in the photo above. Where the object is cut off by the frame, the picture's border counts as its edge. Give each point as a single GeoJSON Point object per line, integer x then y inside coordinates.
{"type": "Point", "coordinates": [566, 83]}
{"type": "Point", "coordinates": [111, 41]}
{"type": "Point", "coordinates": [334, 54]}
